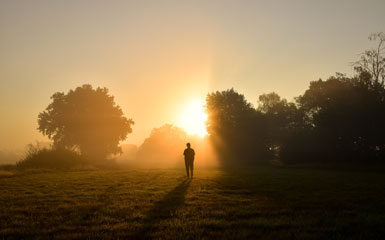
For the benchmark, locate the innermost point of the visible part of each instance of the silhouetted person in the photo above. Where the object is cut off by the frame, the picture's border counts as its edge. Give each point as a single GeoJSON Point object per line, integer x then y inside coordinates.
{"type": "Point", "coordinates": [189, 154]}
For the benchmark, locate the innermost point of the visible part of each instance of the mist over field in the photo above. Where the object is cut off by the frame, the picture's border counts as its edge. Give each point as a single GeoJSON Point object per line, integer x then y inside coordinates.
{"type": "Point", "coordinates": [181, 119]}
{"type": "Point", "coordinates": [10, 157]}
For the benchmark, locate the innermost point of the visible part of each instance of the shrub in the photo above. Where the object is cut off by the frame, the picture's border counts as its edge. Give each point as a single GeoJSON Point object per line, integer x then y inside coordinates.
{"type": "Point", "coordinates": [52, 158]}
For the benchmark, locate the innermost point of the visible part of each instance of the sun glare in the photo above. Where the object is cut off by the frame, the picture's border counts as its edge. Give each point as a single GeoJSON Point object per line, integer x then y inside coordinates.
{"type": "Point", "coordinates": [193, 118]}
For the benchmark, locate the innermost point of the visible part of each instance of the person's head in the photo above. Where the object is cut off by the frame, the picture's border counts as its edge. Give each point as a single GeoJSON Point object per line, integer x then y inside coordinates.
{"type": "Point", "coordinates": [188, 145]}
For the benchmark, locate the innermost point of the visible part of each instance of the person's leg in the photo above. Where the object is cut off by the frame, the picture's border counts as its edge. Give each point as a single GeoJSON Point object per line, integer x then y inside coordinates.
{"type": "Point", "coordinates": [187, 167]}
{"type": "Point", "coordinates": [192, 167]}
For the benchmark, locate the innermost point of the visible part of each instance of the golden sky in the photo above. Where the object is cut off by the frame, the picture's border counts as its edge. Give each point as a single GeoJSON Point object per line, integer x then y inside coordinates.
{"type": "Point", "coordinates": [156, 57]}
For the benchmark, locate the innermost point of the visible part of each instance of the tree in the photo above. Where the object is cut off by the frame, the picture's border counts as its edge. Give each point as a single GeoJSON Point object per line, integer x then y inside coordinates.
{"type": "Point", "coordinates": [87, 120]}
{"type": "Point", "coordinates": [163, 148]}
{"type": "Point", "coordinates": [281, 119]}
{"type": "Point", "coordinates": [226, 110]}
{"type": "Point", "coordinates": [372, 61]}
{"type": "Point", "coordinates": [235, 127]}
{"type": "Point", "coordinates": [347, 116]}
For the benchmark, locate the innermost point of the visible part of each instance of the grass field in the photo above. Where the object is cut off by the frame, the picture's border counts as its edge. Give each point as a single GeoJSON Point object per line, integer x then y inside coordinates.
{"type": "Point", "coordinates": [258, 203]}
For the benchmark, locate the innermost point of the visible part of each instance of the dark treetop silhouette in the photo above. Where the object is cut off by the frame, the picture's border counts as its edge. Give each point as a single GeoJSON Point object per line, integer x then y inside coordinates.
{"type": "Point", "coordinates": [189, 155]}
{"type": "Point", "coordinates": [339, 119]}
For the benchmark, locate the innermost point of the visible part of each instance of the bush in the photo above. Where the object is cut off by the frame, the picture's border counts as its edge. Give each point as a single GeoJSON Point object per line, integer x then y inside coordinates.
{"type": "Point", "coordinates": [7, 167]}
{"type": "Point", "coordinates": [51, 158]}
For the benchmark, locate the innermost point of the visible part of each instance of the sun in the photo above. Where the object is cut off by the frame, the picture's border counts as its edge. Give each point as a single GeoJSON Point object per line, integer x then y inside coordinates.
{"type": "Point", "coordinates": [193, 118]}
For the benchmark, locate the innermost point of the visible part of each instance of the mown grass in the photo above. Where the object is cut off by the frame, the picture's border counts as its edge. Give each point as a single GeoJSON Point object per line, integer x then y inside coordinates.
{"type": "Point", "coordinates": [258, 203]}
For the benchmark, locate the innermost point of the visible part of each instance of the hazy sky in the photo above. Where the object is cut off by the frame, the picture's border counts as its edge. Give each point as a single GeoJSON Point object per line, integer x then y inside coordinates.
{"type": "Point", "coordinates": [156, 56]}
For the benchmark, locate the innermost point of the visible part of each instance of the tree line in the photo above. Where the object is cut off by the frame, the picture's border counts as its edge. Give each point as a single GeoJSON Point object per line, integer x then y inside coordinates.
{"type": "Point", "coordinates": [338, 119]}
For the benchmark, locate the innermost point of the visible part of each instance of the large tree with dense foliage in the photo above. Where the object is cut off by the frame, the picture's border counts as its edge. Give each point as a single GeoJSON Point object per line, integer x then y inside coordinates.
{"type": "Point", "coordinates": [236, 129]}
{"type": "Point", "coordinates": [347, 115]}
{"type": "Point", "coordinates": [281, 117]}
{"type": "Point", "coordinates": [87, 120]}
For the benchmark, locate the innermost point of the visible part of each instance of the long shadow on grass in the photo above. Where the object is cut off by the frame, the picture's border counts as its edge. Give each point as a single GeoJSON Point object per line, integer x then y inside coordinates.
{"type": "Point", "coordinates": [163, 209]}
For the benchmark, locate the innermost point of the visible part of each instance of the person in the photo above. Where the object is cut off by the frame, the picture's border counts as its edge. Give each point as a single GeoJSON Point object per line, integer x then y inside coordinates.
{"type": "Point", "coordinates": [189, 155]}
